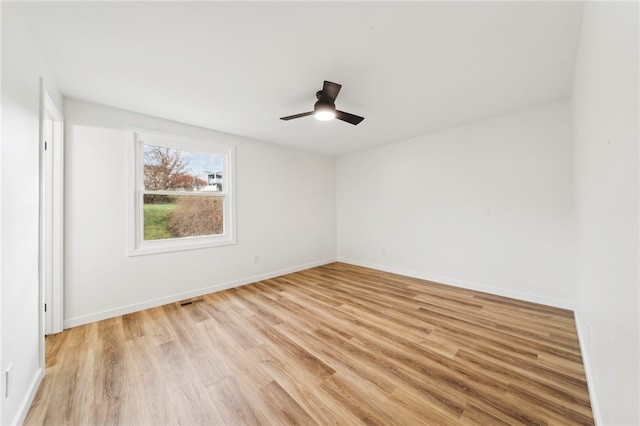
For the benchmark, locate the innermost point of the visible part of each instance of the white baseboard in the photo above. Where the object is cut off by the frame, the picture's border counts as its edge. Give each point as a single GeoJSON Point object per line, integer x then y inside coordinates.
{"type": "Point", "coordinates": [527, 297]}
{"type": "Point", "coordinates": [583, 340]}
{"type": "Point", "coordinates": [110, 313]}
{"type": "Point", "coordinates": [25, 405]}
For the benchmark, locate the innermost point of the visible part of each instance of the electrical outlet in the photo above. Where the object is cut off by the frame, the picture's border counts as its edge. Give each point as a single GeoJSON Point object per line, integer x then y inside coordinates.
{"type": "Point", "coordinates": [256, 259]}
{"type": "Point", "coordinates": [7, 380]}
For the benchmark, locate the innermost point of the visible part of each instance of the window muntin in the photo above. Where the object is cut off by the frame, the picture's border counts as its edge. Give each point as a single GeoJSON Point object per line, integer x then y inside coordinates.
{"type": "Point", "coordinates": [183, 194]}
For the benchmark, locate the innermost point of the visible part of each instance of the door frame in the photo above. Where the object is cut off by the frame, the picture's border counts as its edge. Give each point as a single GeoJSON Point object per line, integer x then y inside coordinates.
{"type": "Point", "coordinates": [51, 213]}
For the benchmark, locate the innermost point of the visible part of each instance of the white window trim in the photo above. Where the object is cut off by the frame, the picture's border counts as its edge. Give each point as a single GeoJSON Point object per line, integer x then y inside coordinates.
{"type": "Point", "coordinates": [135, 187]}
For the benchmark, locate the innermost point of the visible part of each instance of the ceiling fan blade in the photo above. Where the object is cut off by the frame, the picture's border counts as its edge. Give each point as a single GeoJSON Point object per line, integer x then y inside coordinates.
{"type": "Point", "coordinates": [291, 117]}
{"type": "Point", "coordinates": [330, 91]}
{"type": "Point", "coordinates": [349, 118]}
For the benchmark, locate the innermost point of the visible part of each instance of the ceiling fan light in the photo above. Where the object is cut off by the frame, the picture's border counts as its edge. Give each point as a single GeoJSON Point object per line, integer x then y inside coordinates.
{"type": "Point", "coordinates": [325, 114]}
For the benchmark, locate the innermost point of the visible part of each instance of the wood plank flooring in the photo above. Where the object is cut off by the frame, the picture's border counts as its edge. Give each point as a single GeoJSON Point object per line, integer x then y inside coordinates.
{"type": "Point", "coordinates": [337, 344]}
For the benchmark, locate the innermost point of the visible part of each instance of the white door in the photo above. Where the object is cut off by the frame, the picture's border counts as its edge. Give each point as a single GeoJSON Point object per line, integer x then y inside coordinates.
{"type": "Point", "coordinates": [51, 263]}
{"type": "Point", "coordinates": [47, 240]}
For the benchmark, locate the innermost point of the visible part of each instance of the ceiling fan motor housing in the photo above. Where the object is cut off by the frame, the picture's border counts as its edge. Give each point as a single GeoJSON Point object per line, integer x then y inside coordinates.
{"type": "Point", "coordinates": [324, 105]}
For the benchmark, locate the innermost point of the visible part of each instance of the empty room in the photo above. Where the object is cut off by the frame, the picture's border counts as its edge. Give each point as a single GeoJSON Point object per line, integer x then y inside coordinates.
{"type": "Point", "coordinates": [274, 213]}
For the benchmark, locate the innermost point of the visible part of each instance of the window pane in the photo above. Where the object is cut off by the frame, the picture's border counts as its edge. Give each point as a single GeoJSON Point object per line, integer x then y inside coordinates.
{"type": "Point", "coordinates": [170, 169]}
{"type": "Point", "coordinates": [169, 216]}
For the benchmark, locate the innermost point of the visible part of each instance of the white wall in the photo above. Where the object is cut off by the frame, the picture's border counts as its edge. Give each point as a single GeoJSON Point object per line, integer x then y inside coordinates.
{"type": "Point", "coordinates": [22, 67]}
{"type": "Point", "coordinates": [487, 206]}
{"type": "Point", "coordinates": [606, 120]}
{"type": "Point", "coordinates": [285, 205]}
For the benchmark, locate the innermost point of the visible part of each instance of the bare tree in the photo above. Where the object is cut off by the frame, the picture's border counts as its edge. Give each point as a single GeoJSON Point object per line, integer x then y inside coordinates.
{"type": "Point", "coordinates": [165, 168]}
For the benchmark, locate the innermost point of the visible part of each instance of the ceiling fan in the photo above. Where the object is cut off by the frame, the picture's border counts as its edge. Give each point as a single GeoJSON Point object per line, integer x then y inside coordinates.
{"type": "Point", "coordinates": [325, 108]}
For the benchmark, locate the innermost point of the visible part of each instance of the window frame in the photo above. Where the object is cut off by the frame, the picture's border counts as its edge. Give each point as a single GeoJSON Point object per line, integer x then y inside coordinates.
{"type": "Point", "coordinates": [137, 245]}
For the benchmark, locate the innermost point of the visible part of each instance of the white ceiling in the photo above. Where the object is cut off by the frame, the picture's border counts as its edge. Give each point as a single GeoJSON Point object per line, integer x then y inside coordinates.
{"type": "Point", "coordinates": [409, 68]}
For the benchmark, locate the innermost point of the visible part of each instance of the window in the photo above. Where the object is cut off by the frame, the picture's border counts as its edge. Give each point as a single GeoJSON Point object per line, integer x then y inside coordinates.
{"type": "Point", "coordinates": [181, 194]}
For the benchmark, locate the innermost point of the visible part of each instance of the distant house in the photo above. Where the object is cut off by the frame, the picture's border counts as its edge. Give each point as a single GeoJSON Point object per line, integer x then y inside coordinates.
{"type": "Point", "coordinates": [213, 180]}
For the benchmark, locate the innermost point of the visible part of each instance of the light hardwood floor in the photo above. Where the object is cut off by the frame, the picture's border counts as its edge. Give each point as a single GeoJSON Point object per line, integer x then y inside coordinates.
{"type": "Point", "coordinates": [337, 344]}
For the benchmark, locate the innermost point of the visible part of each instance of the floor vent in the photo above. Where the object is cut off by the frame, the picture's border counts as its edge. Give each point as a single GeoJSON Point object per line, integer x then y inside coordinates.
{"type": "Point", "coordinates": [191, 302]}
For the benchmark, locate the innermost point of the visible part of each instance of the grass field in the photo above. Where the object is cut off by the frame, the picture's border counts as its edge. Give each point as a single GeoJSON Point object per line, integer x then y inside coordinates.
{"type": "Point", "coordinates": [156, 218]}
